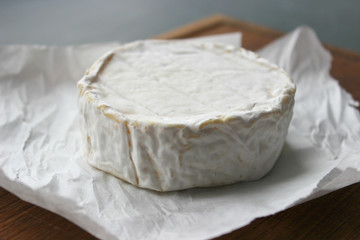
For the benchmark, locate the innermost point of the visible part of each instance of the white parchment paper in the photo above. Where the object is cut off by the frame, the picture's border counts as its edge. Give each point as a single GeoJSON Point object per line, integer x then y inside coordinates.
{"type": "Point", "coordinates": [41, 163]}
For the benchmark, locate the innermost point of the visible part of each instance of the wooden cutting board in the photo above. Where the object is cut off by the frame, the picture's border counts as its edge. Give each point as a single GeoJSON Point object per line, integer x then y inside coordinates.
{"type": "Point", "coordinates": [333, 216]}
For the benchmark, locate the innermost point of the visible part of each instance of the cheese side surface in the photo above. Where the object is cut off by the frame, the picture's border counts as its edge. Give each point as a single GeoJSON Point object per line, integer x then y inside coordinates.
{"type": "Point", "coordinates": [171, 115]}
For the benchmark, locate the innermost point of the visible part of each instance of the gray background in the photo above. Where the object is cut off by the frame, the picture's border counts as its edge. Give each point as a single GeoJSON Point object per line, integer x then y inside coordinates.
{"type": "Point", "coordinates": [63, 22]}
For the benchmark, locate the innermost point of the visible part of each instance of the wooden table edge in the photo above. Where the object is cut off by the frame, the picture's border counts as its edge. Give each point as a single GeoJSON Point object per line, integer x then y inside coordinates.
{"type": "Point", "coordinates": [192, 28]}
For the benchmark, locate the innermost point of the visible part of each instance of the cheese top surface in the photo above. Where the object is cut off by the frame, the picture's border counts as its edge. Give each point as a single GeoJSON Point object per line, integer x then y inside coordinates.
{"type": "Point", "coordinates": [185, 83]}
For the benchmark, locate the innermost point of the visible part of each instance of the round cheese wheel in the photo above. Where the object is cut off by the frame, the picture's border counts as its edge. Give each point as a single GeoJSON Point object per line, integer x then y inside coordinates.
{"type": "Point", "coordinates": [170, 115]}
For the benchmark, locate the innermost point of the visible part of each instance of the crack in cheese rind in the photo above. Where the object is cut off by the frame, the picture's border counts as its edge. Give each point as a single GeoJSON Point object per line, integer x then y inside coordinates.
{"type": "Point", "coordinates": [195, 114]}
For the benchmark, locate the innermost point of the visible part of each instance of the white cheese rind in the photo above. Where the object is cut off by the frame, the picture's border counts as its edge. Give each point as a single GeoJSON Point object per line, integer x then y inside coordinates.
{"type": "Point", "coordinates": [169, 115]}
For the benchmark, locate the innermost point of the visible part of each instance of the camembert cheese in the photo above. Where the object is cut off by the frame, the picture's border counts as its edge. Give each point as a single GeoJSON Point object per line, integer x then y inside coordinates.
{"type": "Point", "coordinates": [170, 115]}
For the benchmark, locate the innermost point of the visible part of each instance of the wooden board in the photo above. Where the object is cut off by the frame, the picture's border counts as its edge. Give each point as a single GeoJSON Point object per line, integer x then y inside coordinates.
{"type": "Point", "coordinates": [333, 216]}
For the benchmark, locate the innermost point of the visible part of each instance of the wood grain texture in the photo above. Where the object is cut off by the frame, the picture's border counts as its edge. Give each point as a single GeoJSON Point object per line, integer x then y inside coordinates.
{"type": "Point", "coordinates": [333, 216]}
{"type": "Point", "coordinates": [22, 220]}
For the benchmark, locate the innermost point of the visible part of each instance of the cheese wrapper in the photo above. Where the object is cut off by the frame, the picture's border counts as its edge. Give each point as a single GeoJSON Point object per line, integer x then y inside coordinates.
{"type": "Point", "coordinates": [41, 163]}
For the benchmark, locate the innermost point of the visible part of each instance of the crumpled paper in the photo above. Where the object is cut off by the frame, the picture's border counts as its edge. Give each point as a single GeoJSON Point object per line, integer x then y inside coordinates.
{"type": "Point", "coordinates": [41, 163]}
